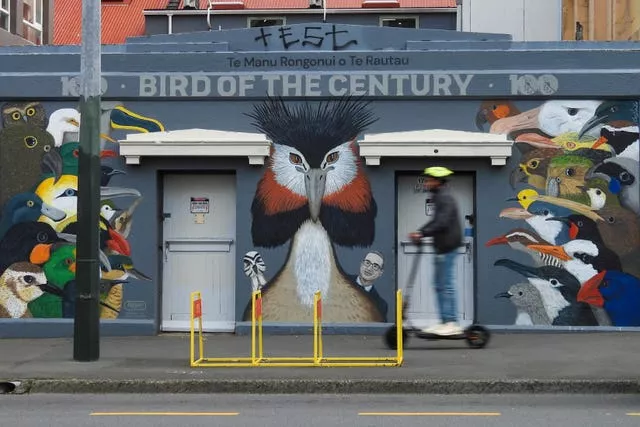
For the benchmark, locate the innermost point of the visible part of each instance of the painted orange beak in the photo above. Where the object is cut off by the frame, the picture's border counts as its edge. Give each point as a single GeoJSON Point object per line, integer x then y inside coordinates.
{"type": "Point", "coordinates": [72, 268]}
{"type": "Point", "coordinates": [515, 213]}
{"type": "Point", "coordinates": [555, 251]}
{"type": "Point", "coordinates": [600, 141]}
{"type": "Point", "coordinates": [502, 240]}
{"type": "Point", "coordinates": [590, 293]}
{"type": "Point", "coordinates": [40, 254]}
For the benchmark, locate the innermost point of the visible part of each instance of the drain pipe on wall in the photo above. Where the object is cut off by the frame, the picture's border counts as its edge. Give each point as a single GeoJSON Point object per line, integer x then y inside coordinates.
{"type": "Point", "coordinates": [170, 23]}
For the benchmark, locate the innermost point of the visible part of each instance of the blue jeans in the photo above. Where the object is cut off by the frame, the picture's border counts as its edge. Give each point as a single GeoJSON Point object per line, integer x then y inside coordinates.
{"type": "Point", "coordinates": [445, 286]}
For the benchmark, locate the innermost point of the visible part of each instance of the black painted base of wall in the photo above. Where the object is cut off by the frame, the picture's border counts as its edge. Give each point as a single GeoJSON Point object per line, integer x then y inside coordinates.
{"type": "Point", "coordinates": [63, 328]}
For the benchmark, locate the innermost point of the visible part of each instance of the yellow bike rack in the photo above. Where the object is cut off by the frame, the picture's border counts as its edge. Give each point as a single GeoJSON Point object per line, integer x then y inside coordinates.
{"type": "Point", "coordinates": [257, 357]}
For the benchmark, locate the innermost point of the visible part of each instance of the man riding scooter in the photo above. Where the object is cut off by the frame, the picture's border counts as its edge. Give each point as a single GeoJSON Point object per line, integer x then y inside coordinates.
{"type": "Point", "coordinates": [447, 238]}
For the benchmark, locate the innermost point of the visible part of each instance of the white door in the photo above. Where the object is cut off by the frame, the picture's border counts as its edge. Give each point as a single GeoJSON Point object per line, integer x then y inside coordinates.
{"type": "Point", "coordinates": [199, 251]}
{"type": "Point", "coordinates": [413, 211]}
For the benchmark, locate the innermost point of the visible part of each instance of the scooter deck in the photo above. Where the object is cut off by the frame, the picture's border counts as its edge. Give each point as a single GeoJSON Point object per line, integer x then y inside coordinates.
{"type": "Point", "coordinates": [430, 336]}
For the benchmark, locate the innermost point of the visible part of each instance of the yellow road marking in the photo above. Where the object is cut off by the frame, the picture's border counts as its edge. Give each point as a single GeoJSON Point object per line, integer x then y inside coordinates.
{"type": "Point", "coordinates": [468, 414]}
{"type": "Point", "coordinates": [634, 414]}
{"type": "Point", "coordinates": [183, 414]}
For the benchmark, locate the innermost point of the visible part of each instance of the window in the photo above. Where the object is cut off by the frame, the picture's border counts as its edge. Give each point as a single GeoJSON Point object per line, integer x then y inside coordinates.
{"type": "Point", "coordinates": [5, 12]}
{"type": "Point", "coordinates": [399, 21]}
{"type": "Point", "coordinates": [266, 22]}
{"type": "Point", "coordinates": [32, 20]}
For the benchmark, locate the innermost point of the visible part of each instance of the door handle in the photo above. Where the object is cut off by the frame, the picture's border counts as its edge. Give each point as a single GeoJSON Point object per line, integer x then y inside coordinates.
{"type": "Point", "coordinates": [166, 251]}
{"type": "Point", "coordinates": [468, 250]}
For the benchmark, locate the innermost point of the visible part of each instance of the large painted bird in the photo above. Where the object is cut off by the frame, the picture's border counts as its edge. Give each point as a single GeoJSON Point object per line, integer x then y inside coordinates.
{"type": "Point", "coordinates": [64, 126]}
{"type": "Point", "coordinates": [493, 110]}
{"type": "Point", "coordinates": [559, 290]}
{"type": "Point", "coordinates": [21, 149]}
{"type": "Point", "coordinates": [19, 113]}
{"type": "Point", "coordinates": [520, 239]}
{"type": "Point", "coordinates": [618, 293]}
{"type": "Point", "coordinates": [618, 114]}
{"type": "Point", "coordinates": [26, 207]}
{"type": "Point", "coordinates": [551, 119]}
{"type": "Point", "coordinates": [533, 165]}
{"type": "Point", "coordinates": [21, 238]}
{"type": "Point", "coordinates": [20, 284]}
{"type": "Point", "coordinates": [622, 175]}
{"type": "Point", "coordinates": [528, 302]}
{"type": "Point", "coordinates": [314, 194]}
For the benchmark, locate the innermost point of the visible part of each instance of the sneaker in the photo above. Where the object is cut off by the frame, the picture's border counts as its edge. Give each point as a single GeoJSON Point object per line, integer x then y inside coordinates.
{"type": "Point", "coordinates": [449, 329]}
{"type": "Point", "coordinates": [433, 329]}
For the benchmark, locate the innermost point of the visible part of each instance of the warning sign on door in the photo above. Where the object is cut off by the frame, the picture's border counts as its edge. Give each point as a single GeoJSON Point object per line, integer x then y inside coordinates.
{"type": "Point", "coordinates": [199, 205]}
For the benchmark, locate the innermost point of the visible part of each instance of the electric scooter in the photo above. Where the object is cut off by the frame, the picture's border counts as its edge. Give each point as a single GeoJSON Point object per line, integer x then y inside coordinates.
{"type": "Point", "coordinates": [477, 336]}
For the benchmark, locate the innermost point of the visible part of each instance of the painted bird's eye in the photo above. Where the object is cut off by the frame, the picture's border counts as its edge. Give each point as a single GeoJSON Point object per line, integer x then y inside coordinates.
{"type": "Point", "coordinates": [520, 293]}
{"type": "Point", "coordinates": [580, 224]}
{"type": "Point", "coordinates": [76, 153]}
{"type": "Point", "coordinates": [30, 203]}
{"type": "Point", "coordinates": [41, 237]}
{"type": "Point", "coordinates": [604, 284]}
{"type": "Point", "coordinates": [613, 108]}
{"type": "Point", "coordinates": [545, 212]}
{"type": "Point", "coordinates": [46, 148]}
{"type": "Point", "coordinates": [333, 157]}
{"type": "Point", "coordinates": [572, 111]}
{"type": "Point", "coordinates": [295, 159]}
{"type": "Point", "coordinates": [570, 172]}
{"type": "Point", "coordinates": [553, 282]}
{"type": "Point", "coordinates": [611, 220]}
{"type": "Point", "coordinates": [571, 145]}
{"type": "Point", "coordinates": [30, 141]}
{"type": "Point", "coordinates": [624, 176]}
{"type": "Point", "coordinates": [29, 278]}
{"type": "Point", "coordinates": [68, 261]}
{"type": "Point", "coordinates": [16, 116]}
{"type": "Point", "coordinates": [70, 192]}
{"type": "Point", "coordinates": [599, 192]}
{"type": "Point", "coordinates": [534, 164]}
{"type": "Point", "coordinates": [31, 112]}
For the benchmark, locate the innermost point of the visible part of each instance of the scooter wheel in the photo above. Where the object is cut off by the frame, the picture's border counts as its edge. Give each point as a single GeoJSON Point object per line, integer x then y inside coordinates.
{"type": "Point", "coordinates": [391, 337]}
{"type": "Point", "coordinates": [477, 336]}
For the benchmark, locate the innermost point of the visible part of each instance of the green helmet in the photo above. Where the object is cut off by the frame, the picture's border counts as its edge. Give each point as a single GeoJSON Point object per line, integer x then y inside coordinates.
{"type": "Point", "coordinates": [438, 171]}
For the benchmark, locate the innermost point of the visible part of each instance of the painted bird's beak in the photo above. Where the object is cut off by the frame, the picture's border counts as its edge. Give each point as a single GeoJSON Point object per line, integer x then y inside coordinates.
{"type": "Point", "coordinates": [536, 140]}
{"type": "Point", "coordinates": [519, 122]}
{"type": "Point", "coordinates": [497, 241]}
{"type": "Point", "coordinates": [52, 163]}
{"type": "Point", "coordinates": [52, 212]}
{"type": "Point", "coordinates": [504, 295]}
{"type": "Point", "coordinates": [54, 290]}
{"type": "Point", "coordinates": [590, 293]}
{"type": "Point", "coordinates": [600, 141]}
{"type": "Point", "coordinates": [117, 172]}
{"type": "Point", "coordinates": [517, 175]}
{"type": "Point", "coordinates": [315, 182]}
{"type": "Point", "coordinates": [108, 138]}
{"type": "Point", "coordinates": [112, 192]}
{"type": "Point", "coordinates": [590, 124]}
{"type": "Point", "coordinates": [138, 274]}
{"type": "Point", "coordinates": [553, 250]}
{"type": "Point", "coordinates": [515, 213]}
{"type": "Point", "coordinates": [104, 260]}
{"type": "Point", "coordinates": [525, 270]}
{"type": "Point", "coordinates": [71, 238]}
{"type": "Point", "coordinates": [118, 243]}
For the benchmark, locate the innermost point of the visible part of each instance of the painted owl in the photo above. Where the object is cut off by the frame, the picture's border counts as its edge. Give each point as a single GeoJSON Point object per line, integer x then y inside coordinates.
{"type": "Point", "coordinates": [314, 194]}
{"type": "Point", "coordinates": [19, 113]}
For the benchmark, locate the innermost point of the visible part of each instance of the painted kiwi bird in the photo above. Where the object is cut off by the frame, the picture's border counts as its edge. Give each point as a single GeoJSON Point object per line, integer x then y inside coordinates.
{"type": "Point", "coordinates": [313, 194]}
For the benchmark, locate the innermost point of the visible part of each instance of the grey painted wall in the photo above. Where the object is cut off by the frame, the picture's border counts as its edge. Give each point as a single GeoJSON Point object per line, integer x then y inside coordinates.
{"type": "Point", "coordinates": [157, 24]}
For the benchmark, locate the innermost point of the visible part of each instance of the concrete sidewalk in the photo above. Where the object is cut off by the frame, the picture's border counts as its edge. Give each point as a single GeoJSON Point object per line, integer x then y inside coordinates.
{"type": "Point", "coordinates": [511, 363]}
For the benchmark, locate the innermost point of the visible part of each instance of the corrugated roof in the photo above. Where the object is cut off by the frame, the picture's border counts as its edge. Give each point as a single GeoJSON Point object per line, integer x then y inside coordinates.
{"type": "Point", "coordinates": [125, 18]}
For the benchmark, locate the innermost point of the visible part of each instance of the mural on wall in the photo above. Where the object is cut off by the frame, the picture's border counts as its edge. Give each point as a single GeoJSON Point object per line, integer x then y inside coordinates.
{"type": "Point", "coordinates": [38, 201]}
{"type": "Point", "coordinates": [576, 199]}
{"type": "Point", "coordinates": [313, 195]}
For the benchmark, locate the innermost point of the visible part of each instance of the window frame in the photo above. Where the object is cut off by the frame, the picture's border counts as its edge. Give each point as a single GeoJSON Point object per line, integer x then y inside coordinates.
{"type": "Point", "coordinates": [36, 24]}
{"type": "Point", "coordinates": [265, 18]}
{"type": "Point", "coordinates": [6, 12]}
{"type": "Point", "coordinates": [383, 18]}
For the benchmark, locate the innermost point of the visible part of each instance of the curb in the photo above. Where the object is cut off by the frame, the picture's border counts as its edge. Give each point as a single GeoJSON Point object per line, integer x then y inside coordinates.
{"type": "Point", "coordinates": [306, 386]}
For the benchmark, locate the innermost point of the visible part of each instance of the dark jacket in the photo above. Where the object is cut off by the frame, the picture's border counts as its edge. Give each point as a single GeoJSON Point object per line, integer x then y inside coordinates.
{"type": "Point", "coordinates": [445, 225]}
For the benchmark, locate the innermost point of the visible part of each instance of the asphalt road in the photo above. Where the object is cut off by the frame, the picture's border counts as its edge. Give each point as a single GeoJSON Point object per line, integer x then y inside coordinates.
{"type": "Point", "coordinates": [154, 410]}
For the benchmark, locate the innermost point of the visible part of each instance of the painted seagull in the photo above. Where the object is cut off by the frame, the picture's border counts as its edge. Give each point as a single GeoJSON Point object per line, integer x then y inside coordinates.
{"type": "Point", "coordinates": [558, 289]}
{"type": "Point", "coordinates": [529, 305]}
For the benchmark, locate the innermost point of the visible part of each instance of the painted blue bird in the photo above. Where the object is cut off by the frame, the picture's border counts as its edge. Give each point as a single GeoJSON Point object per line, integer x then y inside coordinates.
{"type": "Point", "coordinates": [615, 113]}
{"type": "Point", "coordinates": [617, 292]}
{"type": "Point", "coordinates": [26, 207]}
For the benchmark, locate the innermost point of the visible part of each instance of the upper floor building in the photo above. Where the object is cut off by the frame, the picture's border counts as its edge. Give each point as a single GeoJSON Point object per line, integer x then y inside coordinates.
{"type": "Point", "coordinates": [24, 22]}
